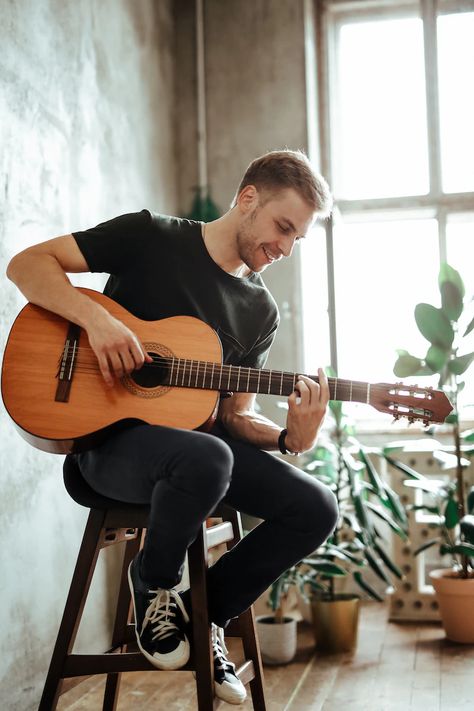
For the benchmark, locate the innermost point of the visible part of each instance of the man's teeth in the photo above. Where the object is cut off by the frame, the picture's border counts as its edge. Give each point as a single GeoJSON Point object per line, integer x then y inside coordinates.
{"type": "Point", "coordinates": [269, 256]}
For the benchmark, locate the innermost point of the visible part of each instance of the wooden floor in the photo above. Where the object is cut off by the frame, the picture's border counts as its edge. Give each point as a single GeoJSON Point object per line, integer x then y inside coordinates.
{"type": "Point", "coordinates": [397, 667]}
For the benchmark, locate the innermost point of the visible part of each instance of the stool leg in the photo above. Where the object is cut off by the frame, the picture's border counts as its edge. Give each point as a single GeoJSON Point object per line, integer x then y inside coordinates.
{"type": "Point", "coordinates": [247, 626]}
{"type": "Point", "coordinates": [76, 598]}
{"type": "Point", "coordinates": [122, 616]}
{"type": "Point", "coordinates": [252, 651]}
{"type": "Point", "coordinates": [202, 651]}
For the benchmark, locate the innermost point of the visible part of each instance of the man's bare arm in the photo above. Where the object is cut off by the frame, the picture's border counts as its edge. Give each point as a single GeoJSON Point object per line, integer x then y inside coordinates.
{"type": "Point", "coordinates": [40, 272]}
{"type": "Point", "coordinates": [306, 410]}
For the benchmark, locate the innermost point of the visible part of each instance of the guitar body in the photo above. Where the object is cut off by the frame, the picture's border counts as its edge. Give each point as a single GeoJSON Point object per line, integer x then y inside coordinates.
{"type": "Point", "coordinates": [32, 360]}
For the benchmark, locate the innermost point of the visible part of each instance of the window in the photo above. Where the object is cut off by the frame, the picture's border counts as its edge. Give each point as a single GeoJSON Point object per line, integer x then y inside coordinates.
{"type": "Point", "coordinates": [396, 110]}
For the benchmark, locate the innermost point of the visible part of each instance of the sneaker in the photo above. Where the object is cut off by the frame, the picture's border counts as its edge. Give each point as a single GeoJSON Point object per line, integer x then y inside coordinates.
{"type": "Point", "coordinates": [227, 684]}
{"type": "Point", "coordinates": [160, 620]}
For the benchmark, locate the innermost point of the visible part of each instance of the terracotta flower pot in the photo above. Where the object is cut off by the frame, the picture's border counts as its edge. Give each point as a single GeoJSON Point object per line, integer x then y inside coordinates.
{"type": "Point", "coordinates": [277, 640]}
{"type": "Point", "coordinates": [335, 623]}
{"type": "Point", "coordinates": [455, 597]}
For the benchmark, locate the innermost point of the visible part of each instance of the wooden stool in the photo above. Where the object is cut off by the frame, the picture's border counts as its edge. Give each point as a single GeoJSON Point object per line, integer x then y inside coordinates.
{"type": "Point", "coordinates": [112, 522]}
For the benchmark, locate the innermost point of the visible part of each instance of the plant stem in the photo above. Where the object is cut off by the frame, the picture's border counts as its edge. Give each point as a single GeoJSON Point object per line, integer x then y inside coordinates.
{"type": "Point", "coordinates": [460, 489]}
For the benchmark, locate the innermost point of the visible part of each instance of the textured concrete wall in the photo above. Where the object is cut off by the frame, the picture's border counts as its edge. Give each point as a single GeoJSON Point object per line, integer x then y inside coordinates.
{"type": "Point", "coordinates": [256, 102]}
{"type": "Point", "coordinates": [87, 132]}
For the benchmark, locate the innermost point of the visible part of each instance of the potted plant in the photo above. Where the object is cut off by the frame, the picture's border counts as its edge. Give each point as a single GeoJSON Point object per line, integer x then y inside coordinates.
{"type": "Point", "coordinates": [445, 329]}
{"type": "Point", "coordinates": [277, 632]}
{"type": "Point", "coordinates": [357, 544]}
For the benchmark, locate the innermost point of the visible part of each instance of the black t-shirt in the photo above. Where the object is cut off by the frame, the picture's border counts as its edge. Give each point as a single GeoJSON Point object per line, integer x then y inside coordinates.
{"type": "Point", "coordinates": [159, 266]}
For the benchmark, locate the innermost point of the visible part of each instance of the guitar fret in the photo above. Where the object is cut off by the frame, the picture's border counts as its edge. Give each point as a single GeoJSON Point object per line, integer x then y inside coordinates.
{"type": "Point", "coordinates": [228, 380]}
{"type": "Point", "coordinates": [197, 373]}
{"type": "Point", "coordinates": [269, 380]}
{"type": "Point", "coordinates": [212, 375]}
{"type": "Point", "coordinates": [281, 383]}
{"type": "Point", "coordinates": [204, 375]}
{"type": "Point", "coordinates": [258, 381]}
{"type": "Point", "coordinates": [335, 389]}
{"type": "Point", "coordinates": [248, 379]}
{"type": "Point", "coordinates": [184, 372]}
{"type": "Point", "coordinates": [171, 372]}
{"type": "Point", "coordinates": [238, 378]}
{"type": "Point", "coordinates": [220, 378]}
{"type": "Point", "coordinates": [350, 392]}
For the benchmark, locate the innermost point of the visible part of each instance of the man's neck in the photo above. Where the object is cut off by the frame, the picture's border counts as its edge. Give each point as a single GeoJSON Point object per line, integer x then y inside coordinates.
{"type": "Point", "coordinates": [220, 240]}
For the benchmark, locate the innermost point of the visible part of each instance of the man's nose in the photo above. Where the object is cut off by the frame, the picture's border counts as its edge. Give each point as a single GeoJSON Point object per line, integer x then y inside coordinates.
{"type": "Point", "coordinates": [286, 246]}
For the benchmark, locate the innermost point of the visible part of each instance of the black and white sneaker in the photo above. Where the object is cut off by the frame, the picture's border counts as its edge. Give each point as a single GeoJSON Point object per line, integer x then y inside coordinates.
{"type": "Point", "coordinates": [227, 684]}
{"type": "Point", "coordinates": [160, 620]}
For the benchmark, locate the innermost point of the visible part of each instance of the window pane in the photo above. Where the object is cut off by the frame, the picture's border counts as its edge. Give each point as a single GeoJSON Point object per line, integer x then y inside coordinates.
{"type": "Point", "coordinates": [460, 254]}
{"type": "Point", "coordinates": [383, 269]}
{"type": "Point", "coordinates": [380, 139]}
{"type": "Point", "coordinates": [456, 91]}
{"type": "Point", "coordinates": [315, 300]}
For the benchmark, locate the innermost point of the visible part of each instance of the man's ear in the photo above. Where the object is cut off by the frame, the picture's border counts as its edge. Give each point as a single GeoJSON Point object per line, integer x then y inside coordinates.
{"type": "Point", "coordinates": [247, 199]}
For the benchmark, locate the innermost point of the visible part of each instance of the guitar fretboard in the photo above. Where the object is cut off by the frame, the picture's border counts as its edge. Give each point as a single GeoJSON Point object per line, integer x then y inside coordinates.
{"type": "Point", "coordinates": [230, 378]}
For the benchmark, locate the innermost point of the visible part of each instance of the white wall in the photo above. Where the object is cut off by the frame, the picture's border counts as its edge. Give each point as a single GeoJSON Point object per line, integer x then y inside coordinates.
{"type": "Point", "coordinates": [87, 133]}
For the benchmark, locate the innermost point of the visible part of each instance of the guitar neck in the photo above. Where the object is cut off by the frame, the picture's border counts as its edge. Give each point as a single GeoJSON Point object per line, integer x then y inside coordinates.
{"type": "Point", "coordinates": [231, 378]}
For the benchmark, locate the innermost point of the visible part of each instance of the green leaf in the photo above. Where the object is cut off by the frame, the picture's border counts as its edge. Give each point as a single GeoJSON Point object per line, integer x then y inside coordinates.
{"type": "Point", "coordinates": [378, 511]}
{"type": "Point", "coordinates": [469, 328]}
{"type": "Point", "coordinates": [437, 357]}
{"type": "Point", "coordinates": [407, 365]}
{"type": "Point", "coordinates": [452, 291]}
{"type": "Point", "coordinates": [376, 567]}
{"type": "Point", "coordinates": [396, 507]}
{"type": "Point", "coordinates": [470, 500]}
{"type": "Point", "coordinates": [388, 561]}
{"type": "Point", "coordinates": [460, 364]}
{"type": "Point", "coordinates": [323, 566]}
{"type": "Point", "coordinates": [374, 476]}
{"type": "Point", "coordinates": [461, 549]}
{"type": "Point", "coordinates": [467, 528]}
{"type": "Point", "coordinates": [361, 513]}
{"type": "Point", "coordinates": [452, 418]}
{"type": "Point", "coordinates": [451, 514]}
{"type": "Point", "coordinates": [404, 468]}
{"type": "Point", "coordinates": [427, 545]}
{"type": "Point", "coordinates": [434, 325]}
{"type": "Point", "coordinates": [366, 587]}
{"type": "Point", "coordinates": [467, 435]}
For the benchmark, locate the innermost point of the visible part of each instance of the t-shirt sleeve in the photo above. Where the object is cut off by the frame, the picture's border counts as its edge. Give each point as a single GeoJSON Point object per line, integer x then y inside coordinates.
{"type": "Point", "coordinates": [257, 357]}
{"type": "Point", "coordinates": [113, 246]}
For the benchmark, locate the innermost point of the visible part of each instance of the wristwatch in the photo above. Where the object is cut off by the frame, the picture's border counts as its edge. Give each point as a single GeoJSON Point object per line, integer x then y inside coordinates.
{"type": "Point", "coordinates": [282, 445]}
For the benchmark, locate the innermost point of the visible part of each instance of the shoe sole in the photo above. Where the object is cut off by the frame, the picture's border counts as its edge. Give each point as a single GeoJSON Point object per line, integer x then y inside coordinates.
{"type": "Point", "coordinates": [164, 666]}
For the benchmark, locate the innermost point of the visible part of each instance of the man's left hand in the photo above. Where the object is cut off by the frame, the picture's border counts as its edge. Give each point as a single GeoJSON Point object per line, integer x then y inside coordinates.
{"type": "Point", "coordinates": [306, 409]}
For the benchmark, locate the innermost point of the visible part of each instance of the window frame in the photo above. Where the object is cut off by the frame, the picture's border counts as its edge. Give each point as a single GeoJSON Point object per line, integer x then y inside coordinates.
{"type": "Point", "coordinates": [325, 20]}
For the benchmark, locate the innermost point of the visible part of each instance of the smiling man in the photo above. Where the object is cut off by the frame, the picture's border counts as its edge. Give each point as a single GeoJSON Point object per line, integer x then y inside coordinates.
{"type": "Point", "coordinates": [162, 266]}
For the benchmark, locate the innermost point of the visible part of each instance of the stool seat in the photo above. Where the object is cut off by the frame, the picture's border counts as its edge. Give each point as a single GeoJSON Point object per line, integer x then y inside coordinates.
{"type": "Point", "coordinates": [83, 494]}
{"type": "Point", "coordinates": [111, 522]}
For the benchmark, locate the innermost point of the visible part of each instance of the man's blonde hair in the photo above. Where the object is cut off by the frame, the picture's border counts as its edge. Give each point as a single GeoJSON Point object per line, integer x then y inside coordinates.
{"type": "Point", "coordinates": [279, 170]}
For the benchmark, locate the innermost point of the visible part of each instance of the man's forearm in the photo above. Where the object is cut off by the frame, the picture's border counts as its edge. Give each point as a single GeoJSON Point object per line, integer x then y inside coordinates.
{"type": "Point", "coordinates": [254, 428]}
{"type": "Point", "coordinates": [42, 281]}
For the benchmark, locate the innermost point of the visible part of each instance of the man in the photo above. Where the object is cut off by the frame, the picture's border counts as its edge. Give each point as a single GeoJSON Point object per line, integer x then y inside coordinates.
{"type": "Point", "coordinates": [163, 266]}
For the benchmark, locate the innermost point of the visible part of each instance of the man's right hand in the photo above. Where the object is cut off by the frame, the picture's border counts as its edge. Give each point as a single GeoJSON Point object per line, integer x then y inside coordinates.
{"type": "Point", "coordinates": [117, 348]}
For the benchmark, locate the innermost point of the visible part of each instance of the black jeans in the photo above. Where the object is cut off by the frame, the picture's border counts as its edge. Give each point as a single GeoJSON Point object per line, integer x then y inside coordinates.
{"type": "Point", "coordinates": [183, 475]}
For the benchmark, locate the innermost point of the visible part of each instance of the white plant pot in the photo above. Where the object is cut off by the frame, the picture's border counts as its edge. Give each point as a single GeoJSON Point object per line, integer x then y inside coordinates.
{"type": "Point", "coordinates": [277, 640]}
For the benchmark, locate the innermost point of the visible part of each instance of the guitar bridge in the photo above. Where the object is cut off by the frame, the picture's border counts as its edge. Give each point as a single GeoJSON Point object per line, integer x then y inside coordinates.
{"type": "Point", "coordinates": [67, 363]}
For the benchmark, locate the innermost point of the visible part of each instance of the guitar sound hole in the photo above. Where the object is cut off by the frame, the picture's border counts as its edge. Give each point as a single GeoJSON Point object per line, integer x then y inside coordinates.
{"type": "Point", "coordinates": [151, 375]}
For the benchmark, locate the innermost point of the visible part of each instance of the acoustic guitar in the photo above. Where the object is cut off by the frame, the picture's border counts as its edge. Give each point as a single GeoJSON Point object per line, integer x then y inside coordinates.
{"type": "Point", "coordinates": [54, 392]}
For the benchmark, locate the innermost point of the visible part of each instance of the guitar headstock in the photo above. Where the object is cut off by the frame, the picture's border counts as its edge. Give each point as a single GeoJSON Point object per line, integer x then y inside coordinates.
{"type": "Point", "coordinates": [417, 404]}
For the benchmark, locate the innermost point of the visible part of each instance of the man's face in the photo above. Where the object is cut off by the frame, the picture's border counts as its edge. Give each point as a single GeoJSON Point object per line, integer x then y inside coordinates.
{"type": "Point", "coordinates": [268, 232]}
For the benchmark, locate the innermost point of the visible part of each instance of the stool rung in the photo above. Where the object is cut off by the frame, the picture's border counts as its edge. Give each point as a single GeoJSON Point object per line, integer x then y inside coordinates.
{"type": "Point", "coordinates": [88, 664]}
{"type": "Point", "coordinates": [220, 533]}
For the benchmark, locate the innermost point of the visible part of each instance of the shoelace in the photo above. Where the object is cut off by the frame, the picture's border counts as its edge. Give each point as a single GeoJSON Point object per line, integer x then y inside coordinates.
{"type": "Point", "coordinates": [160, 611]}
{"type": "Point", "coordinates": [220, 650]}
